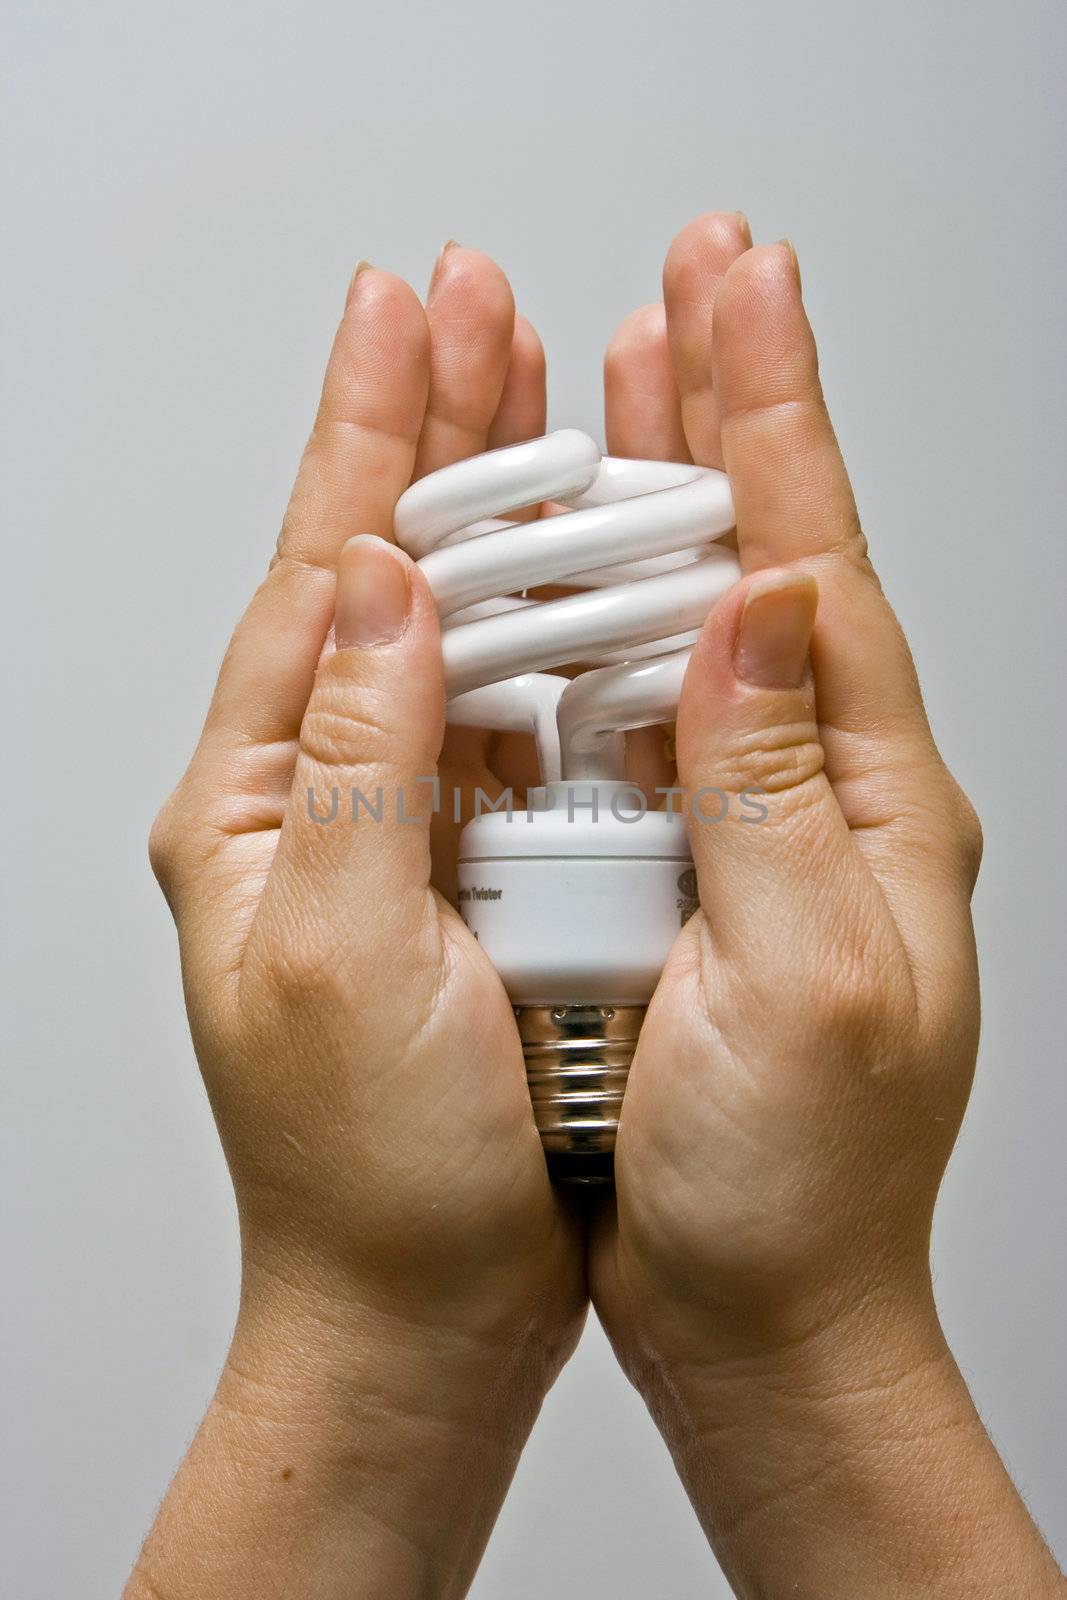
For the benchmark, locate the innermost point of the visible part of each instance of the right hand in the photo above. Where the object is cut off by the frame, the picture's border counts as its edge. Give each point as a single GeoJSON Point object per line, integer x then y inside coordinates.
{"type": "Point", "coordinates": [359, 1050]}
{"type": "Point", "coordinates": [411, 1283]}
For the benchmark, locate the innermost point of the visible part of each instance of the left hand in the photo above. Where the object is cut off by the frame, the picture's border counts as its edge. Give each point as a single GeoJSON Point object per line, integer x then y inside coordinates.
{"type": "Point", "coordinates": [831, 966]}
{"type": "Point", "coordinates": [763, 1268]}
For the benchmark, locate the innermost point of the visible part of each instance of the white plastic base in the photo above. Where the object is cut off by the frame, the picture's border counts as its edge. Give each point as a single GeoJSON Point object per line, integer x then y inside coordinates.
{"type": "Point", "coordinates": [576, 906]}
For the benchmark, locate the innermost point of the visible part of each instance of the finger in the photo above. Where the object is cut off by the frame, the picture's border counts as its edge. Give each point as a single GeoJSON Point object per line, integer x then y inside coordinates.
{"type": "Point", "coordinates": [696, 264]}
{"type": "Point", "coordinates": [794, 504]}
{"type": "Point", "coordinates": [642, 411]}
{"type": "Point", "coordinates": [471, 315]}
{"type": "Point", "coordinates": [360, 455]}
{"type": "Point", "coordinates": [357, 463]}
{"type": "Point", "coordinates": [774, 857]}
{"type": "Point", "coordinates": [522, 408]}
{"type": "Point", "coordinates": [353, 855]}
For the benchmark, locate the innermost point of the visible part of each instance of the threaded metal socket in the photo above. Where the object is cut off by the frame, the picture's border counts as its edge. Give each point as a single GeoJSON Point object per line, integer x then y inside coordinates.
{"type": "Point", "coordinates": [577, 1061]}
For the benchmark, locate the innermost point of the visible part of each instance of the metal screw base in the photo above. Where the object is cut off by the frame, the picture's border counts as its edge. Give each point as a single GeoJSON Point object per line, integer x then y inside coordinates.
{"type": "Point", "coordinates": [577, 1060]}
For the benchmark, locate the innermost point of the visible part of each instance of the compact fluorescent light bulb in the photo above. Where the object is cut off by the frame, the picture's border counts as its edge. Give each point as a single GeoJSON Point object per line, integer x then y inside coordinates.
{"type": "Point", "coordinates": [578, 894]}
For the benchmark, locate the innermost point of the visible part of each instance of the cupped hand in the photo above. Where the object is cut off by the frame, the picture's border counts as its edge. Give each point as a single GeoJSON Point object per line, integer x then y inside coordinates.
{"type": "Point", "coordinates": [806, 1059]}
{"type": "Point", "coordinates": [359, 1051]}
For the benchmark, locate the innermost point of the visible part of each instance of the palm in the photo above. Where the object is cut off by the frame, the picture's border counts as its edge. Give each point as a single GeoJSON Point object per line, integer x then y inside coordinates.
{"type": "Point", "coordinates": [480, 1123]}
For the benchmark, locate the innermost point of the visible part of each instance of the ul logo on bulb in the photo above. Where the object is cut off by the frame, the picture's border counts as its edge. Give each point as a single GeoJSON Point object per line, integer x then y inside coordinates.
{"type": "Point", "coordinates": [688, 899]}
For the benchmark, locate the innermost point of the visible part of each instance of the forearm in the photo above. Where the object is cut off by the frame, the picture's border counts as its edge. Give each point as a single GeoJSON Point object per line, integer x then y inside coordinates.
{"type": "Point", "coordinates": [344, 1462]}
{"type": "Point", "coordinates": [853, 1463]}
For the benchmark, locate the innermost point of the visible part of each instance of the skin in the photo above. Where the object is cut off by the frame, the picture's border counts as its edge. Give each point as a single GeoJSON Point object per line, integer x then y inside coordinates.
{"type": "Point", "coordinates": [411, 1283]}
{"type": "Point", "coordinates": [763, 1270]}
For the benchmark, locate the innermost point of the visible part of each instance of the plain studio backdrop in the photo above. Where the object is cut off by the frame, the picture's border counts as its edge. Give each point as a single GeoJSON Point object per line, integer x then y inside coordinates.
{"type": "Point", "coordinates": [188, 189]}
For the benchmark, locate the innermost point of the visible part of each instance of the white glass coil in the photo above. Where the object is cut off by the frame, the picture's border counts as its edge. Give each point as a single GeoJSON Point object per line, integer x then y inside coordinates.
{"type": "Point", "coordinates": [636, 546]}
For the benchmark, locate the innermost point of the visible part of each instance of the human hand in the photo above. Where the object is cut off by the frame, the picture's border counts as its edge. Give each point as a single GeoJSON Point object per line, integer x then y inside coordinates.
{"type": "Point", "coordinates": [807, 1055]}
{"type": "Point", "coordinates": [410, 1282]}
{"type": "Point", "coordinates": [803, 1068]}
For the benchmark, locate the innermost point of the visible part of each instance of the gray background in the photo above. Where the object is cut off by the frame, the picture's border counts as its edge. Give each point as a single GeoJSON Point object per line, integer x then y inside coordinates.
{"type": "Point", "coordinates": [189, 188]}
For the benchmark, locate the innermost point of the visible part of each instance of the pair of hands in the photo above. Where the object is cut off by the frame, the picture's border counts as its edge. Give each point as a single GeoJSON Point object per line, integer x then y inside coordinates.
{"type": "Point", "coordinates": [412, 1282]}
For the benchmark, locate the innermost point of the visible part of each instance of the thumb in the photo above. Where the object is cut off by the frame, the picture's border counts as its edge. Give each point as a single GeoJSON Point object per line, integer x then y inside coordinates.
{"type": "Point", "coordinates": [766, 832]}
{"type": "Point", "coordinates": [354, 852]}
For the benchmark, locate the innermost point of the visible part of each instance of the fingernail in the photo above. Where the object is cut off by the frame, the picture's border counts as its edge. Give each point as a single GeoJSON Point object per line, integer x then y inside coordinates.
{"type": "Point", "coordinates": [746, 226]}
{"type": "Point", "coordinates": [789, 245]}
{"type": "Point", "coordinates": [361, 266]}
{"type": "Point", "coordinates": [774, 634]}
{"type": "Point", "coordinates": [373, 593]}
{"type": "Point", "coordinates": [449, 244]}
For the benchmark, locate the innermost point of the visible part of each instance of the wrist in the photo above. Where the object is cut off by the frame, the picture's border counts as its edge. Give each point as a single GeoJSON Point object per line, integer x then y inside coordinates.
{"type": "Point", "coordinates": [848, 1459]}
{"type": "Point", "coordinates": [359, 1358]}
{"type": "Point", "coordinates": [347, 1451]}
{"type": "Point", "coordinates": [675, 1333]}
{"type": "Point", "coordinates": [411, 1433]}
{"type": "Point", "coordinates": [799, 1366]}
{"type": "Point", "coordinates": [438, 1274]}
{"type": "Point", "coordinates": [817, 1367]}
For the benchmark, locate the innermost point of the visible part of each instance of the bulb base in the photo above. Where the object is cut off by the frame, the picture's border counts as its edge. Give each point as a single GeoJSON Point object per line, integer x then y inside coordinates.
{"type": "Point", "coordinates": [577, 1061]}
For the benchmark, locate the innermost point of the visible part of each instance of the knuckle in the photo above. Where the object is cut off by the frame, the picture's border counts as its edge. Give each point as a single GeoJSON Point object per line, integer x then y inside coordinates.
{"type": "Point", "coordinates": [860, 995]}
{"type": "Point", "coordinates": [343, 730]}
{"type": "Point", "coordinates": [846, 978]}
{"type": "Point", "coordinates": [970, 835]}
{"type": "Point", "coordinates": [958, 828]}
{"type": "Point", "coordinates": [855, 548]}
{"type": "Point", "coordinates": [850, 549]}
{"type": "Point", "coordinates": [851, 1009]}
{"type": "Point", "coordinates": [785, 756]}
{"type": "Point", "coordinates": [306, 966]}
{"type": "Point", "coordinates": [164, 843]}
{"type": "Point", "coordinates": [863, 1006]}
